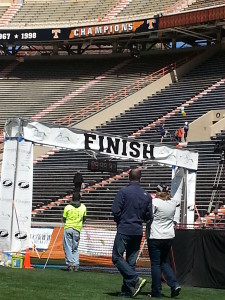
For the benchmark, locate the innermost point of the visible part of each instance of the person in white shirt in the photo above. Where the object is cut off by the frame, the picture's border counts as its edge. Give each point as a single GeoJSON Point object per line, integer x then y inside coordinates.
{"type": "Point", "coordinates": [160, 234]}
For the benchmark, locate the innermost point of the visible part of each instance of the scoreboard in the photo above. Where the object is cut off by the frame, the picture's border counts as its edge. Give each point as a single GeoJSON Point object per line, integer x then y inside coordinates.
{"type": "Point", "coordinates": [102, 165]}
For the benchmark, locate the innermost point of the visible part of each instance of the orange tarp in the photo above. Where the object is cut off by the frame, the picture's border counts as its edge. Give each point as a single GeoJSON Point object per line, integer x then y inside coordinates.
{"type": "Point", "coordinates": [56, 249]}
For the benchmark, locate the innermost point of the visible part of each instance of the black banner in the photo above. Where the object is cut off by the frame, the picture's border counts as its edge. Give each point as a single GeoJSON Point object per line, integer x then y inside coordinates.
{"type": "Point", "coordinates": [199, 257]}
{"type": "Point", "coordinates": [75, 33]}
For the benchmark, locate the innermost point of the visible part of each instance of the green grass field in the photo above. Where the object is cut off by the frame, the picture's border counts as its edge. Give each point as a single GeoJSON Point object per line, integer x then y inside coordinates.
{"type": "Point", "coordinates": [57, 284]}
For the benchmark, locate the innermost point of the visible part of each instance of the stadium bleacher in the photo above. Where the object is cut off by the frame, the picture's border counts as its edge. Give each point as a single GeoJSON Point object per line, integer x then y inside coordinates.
{"type": "Point", "coordinates": [204, 4]}
{"type": "Point", "coordinates": [3, 8]}
{"type": "Point", "coordinates": [69, 84]}
{"type": "Point", "coordinates": [66, 12]}
{"type": "Point", "coordinates": [63, 12]}
{"type": "Point", "coordinates": [32, 12]}
{"type": "Point", "coordinates": [145, 7]}
{"type": "Point", "coordinates": [41, 13]}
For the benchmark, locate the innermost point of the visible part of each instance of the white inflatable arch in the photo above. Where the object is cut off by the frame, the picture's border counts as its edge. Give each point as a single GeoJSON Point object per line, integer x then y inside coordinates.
{"type": "Point", "coordinates": [17, 170]}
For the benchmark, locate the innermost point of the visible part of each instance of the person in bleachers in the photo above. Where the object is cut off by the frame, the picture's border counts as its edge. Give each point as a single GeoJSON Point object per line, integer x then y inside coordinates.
{"type": "Point", "coordinates": [186, 128]}
{"type": "Point", "coordinates": [163, 132]}
{"type": "Point", "coordinates": [180, 134]}
{"type": "Point", "coordinates": [175, 137]}
{"type": "Point", "coordinates": [160, 234]}
{"type": "Point", "coordinates": [78, 181]}
{"type": "Point", "coordinates": [74, 216]}
{"type": "Point", "coordinates": [131, 207]}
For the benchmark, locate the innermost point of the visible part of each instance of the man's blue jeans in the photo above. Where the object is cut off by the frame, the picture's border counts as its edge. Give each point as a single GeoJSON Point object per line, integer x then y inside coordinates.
{"type": "Point", "coordinates": [130, 244]}
{"type": "Point", "coordinates": [70, 244]}
{"type": "Point", "coordinates": [158, 252]}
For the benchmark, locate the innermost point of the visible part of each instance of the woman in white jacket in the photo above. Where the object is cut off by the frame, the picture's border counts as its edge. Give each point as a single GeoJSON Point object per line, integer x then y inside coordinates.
{"type": "Point", "coordinates": [159, 237]}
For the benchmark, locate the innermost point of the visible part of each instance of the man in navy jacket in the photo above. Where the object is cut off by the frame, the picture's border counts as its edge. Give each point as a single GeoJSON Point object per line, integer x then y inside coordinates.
{"type": "Point", "coordinates": [131, 207]}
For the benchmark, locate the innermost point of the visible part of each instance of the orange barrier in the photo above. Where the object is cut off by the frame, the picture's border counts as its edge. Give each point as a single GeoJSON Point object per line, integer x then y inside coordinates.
{"type": "Point", "coordinates": [57, 251]}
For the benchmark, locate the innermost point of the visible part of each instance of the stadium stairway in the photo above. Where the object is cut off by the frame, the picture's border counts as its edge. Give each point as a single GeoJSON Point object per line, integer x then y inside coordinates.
{"type": "Point", "coordinates": [119, 7]}
{"type": "Point", "coordinates": [7, 12]}
{"type": "Point", "coordinates": [194, 108]}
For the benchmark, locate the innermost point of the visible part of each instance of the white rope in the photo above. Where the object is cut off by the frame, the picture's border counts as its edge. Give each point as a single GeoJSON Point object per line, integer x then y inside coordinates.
{"type": "Point", "coordinates": [52, 247]}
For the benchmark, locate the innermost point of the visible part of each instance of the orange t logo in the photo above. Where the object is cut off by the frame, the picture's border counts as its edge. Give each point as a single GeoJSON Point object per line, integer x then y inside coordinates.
{"type": "Point", "coordinates": [150, 23]}
{"type": "Point", "coordinates": [55, 33]}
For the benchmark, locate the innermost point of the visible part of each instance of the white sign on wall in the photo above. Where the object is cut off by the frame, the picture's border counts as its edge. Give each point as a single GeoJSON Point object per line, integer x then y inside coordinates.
{"type": "Point", "coordinates": [40, 237]}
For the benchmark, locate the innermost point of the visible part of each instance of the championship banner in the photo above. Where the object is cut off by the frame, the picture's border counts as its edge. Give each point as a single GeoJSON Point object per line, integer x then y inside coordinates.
{"type": "Point", "coordinates": [6, 196]}
{"type": "Point", "coordinates": [114, 28]}
{"type": "Point", "coordinates": [22, 204]}
{"type": "Point", "coordinates": [77, 32]}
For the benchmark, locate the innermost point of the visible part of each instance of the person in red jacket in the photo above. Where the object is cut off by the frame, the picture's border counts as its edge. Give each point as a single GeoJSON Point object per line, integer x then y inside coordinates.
{"type": "Point", "coordinates": [180, 134]}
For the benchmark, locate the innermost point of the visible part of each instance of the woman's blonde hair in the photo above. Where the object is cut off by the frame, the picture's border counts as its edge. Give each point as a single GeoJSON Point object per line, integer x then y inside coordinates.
{"type": "Point", "coordinates": [163, 195]}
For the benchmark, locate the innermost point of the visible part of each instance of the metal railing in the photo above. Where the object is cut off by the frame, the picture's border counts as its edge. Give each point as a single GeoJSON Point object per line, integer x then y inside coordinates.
{"type": "Point", "coordinates": [118, 95]}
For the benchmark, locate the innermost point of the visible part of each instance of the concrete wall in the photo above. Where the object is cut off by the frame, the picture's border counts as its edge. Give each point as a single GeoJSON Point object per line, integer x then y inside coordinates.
{"type": "Point", "coordinates": [40, 150]}
{"type": "Point", "coordinates": [125, 104]}
{"type": "Point", "coordinates": [203, 128]}
{"type": "Point", "coordinates": [220, 125]}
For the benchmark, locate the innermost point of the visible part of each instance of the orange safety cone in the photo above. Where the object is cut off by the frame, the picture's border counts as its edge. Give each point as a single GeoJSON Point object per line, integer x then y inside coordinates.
{"type": "Point", "coordinates": [26, 263]}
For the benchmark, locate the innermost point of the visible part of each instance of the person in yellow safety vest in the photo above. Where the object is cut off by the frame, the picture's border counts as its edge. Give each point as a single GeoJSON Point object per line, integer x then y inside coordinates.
{"type": "Point", "coordinates": [74, 216]}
